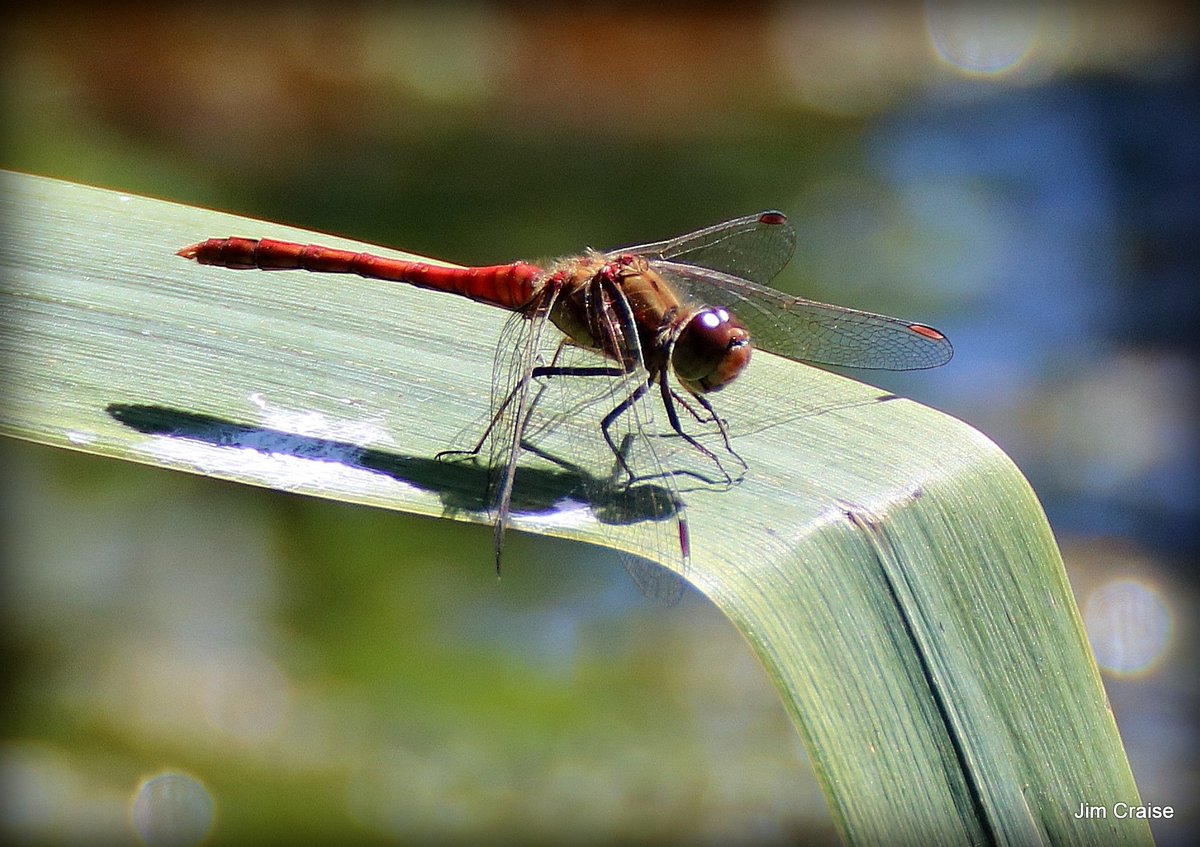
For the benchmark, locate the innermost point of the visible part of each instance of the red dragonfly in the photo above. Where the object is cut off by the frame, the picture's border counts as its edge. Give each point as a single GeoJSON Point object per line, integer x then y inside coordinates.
{"type": "Point", "coordinates": [650, 312]}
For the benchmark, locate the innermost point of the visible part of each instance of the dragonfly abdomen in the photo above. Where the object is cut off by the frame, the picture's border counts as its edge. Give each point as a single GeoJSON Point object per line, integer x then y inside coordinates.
{"type": "Point", "coordinates": [508, 286]}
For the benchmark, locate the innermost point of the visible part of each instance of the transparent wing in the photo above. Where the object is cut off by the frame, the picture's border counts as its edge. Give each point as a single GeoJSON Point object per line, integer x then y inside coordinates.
{"type": "Point", "coordinates": [808, 331]}
{"type": "Point", "coordinates": [558, 419]}
{"type": "Point", "coordinates": [657, 584]}
{"type": "Point", "coordinates": [567, 432]}
{"type": "Point", "coordinates": [755, 247]}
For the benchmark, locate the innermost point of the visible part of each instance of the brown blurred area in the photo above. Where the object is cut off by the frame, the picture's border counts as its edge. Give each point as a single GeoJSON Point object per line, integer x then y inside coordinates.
{"type": "Point", "coordinates": [225, 78]}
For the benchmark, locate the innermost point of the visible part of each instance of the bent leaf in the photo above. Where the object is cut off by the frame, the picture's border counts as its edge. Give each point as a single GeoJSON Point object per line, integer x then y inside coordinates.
{"type": "Point", "coordinates": [890, 566]}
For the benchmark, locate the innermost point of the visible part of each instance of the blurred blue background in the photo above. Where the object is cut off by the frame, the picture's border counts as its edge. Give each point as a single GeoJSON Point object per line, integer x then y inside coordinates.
{"type": "Point", "coordinates": [1027, 181]}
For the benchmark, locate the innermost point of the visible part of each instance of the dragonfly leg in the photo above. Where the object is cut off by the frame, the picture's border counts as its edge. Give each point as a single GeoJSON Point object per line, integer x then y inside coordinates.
{"type": "Point", "coordinates": [711, 417]}
{"type": "Point", "coordinates": [520, 387]}
{"type": "Point", "coordinates": [668, 398]}
{"type": "Point", "coordinates": [547, 371]}
{"type": "Point", "coordinates": [537, 374]}
{"type": "Point", "coordinates": [621, 408]}
{"type": "Point", "coordinates": [622, 451]}
{"type": "Point", "coordinates": [599, 370]}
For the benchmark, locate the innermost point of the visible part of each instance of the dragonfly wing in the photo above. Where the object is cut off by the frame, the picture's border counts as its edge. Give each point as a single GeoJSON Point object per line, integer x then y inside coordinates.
{"type": "Point", "coordinates": [754, 247]}
{"type": "Point", "coordinates": [808, 331]}
{"type": "Point", "coordinates": [656, 583]}
{"type": "Point", "coordinates": [597, 423]}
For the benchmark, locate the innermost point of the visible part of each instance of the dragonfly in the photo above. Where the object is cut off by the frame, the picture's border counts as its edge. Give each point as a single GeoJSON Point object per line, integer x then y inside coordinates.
{"type": "Point", "coordinates": [676, 318]}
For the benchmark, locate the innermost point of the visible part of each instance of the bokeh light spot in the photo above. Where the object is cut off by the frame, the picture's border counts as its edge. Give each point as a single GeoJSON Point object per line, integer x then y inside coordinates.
{"type": "Point", "coordinates": [172, 809]}
{"type": "Point", "coordinates": [981, 39]}
{"type": "Point", "coordinates": [1129, 624]}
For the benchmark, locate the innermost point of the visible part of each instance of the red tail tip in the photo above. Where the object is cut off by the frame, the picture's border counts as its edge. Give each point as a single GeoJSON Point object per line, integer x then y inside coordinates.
{"type": "Point", "coordinates": [189, 252]}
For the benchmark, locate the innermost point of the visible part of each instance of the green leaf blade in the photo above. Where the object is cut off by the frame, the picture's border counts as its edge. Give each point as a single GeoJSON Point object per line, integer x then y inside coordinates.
{"type": "Point", "coordinates": [889, 566]}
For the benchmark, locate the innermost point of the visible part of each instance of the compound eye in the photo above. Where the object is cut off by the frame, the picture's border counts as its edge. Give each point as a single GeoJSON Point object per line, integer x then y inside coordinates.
{"type": "Point", "coordinates": [711, 351]}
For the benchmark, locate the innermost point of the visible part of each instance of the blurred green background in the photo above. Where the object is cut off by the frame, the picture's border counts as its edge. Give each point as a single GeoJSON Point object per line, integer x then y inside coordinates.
{"type": "Point", "coordinates": [306, 671]}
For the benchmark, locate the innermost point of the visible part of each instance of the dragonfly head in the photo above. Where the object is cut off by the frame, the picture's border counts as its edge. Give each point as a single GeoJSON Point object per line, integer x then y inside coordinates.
{"type": "Point", "coordinates": [711, 350]}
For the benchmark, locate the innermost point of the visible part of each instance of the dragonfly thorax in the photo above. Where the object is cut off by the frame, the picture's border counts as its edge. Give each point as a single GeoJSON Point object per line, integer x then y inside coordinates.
{"type": "Point", "coordinates": [710, 351]}
{"type": "Point", "coordinates": [614, 305]}
{"type": "Point", "coordinates": [621, 307]}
